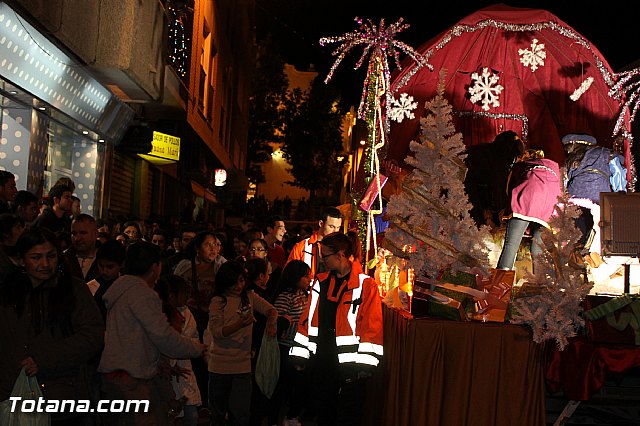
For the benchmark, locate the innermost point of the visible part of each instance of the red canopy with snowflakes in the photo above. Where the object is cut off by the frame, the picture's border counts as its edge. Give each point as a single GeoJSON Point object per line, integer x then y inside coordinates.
{"type": "Point", "coordinates": [510, 69]}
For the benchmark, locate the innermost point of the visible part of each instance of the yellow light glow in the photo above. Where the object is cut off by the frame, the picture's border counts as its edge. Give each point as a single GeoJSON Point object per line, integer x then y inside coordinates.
{"type": "Point", "coordinates": [277, 155]}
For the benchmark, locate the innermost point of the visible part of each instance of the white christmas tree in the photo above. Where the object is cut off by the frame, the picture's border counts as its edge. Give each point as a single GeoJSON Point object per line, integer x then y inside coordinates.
{"type": "Point", "coordinates": [432, 211]}
{"type": "Point", "coordinates": [553, 302]}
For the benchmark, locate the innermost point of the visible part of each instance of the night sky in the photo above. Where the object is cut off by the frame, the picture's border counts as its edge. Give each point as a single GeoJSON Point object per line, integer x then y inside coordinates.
{"type": "Point", "coordinates": [297, 25]}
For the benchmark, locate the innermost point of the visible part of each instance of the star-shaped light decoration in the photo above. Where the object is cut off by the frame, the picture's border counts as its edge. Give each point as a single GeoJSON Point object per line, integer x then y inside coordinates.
{"type": "Point", "coordinates": [379, 43]}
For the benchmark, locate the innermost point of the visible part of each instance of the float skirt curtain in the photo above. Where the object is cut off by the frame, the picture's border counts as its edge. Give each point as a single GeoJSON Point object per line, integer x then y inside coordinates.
{"type": "Point", "coordinates": [438, 372]}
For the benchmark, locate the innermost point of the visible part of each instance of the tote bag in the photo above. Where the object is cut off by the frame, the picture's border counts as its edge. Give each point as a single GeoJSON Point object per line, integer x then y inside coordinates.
{"type": "Point", "coordinates": [268, 365]}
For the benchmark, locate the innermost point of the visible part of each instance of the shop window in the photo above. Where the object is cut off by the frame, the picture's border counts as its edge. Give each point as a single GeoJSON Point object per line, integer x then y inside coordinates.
{"type": "Point", "coordinates": [14, 143]}
{"type": "Point", "coordinates": [72, 155]}
{"type": "Point", "coordinates": [39, 150]}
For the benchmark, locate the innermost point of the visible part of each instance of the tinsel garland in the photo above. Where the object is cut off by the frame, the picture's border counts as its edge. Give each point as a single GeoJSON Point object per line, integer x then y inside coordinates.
{"type": "Point", "coordinates": [627, 92]}
{"type": "Point", "coordinates": [460, 29]}
{"type": "Point", "coordinates": [521, 117]}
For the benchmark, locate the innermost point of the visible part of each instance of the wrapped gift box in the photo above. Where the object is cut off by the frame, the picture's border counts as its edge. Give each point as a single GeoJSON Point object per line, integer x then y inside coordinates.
{"type": "Point", "coordinates": [443, 302]}
{"type": "Point", "coordinates": [499, 285]}
{"type": "Point", "coordinates": [612, 319]}
{"type": "Point", "coordinates": [461, 279]}
{"type": "Point", "coordinates": [436, 305]}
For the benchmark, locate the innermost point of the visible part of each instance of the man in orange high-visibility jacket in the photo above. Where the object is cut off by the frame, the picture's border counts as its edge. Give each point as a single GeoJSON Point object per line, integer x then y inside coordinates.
{"type": "Point", "coordinates": [340, 333]}
{"type": "Point", "coordinates": [307, 249]}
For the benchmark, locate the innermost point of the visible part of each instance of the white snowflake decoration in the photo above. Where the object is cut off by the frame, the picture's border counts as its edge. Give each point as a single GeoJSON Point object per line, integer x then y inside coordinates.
{"type": "Point", "coordinates": [533, 57]}
{"type": "Point", "coordinates": [402, 108]}
{"type": "Point", "coordinates": [485, 89]}
{"type": "Point", "coordinates": [580, 90]}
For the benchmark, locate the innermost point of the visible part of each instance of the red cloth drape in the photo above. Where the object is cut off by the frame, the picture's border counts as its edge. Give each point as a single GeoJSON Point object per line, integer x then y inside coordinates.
{"type": "Point", "coordinates": [582, 368]}
{"type": "Point", "coordinates": [542, 96]}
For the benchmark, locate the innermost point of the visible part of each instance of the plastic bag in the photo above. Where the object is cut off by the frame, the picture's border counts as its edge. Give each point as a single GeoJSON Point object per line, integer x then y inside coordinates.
{"type": "Point", "coordinates": [26, 388]}
{"type": "Point", "coordinates": [268, 365]}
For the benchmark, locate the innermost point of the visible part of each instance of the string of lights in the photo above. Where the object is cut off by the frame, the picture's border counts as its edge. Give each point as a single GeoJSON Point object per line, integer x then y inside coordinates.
{"type": "Point", "coordinates": [179, 49]}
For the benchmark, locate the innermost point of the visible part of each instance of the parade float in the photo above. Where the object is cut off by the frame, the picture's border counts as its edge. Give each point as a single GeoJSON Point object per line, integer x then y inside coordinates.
{"type": "Point", "coordinates": [496, 70]}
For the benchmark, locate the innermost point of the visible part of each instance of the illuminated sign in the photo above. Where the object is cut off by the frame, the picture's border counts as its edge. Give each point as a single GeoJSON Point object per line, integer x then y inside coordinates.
{"type": "Point", "coordinates": [165, 146]}
{"type": "Point", "coordinates": [165, 149]}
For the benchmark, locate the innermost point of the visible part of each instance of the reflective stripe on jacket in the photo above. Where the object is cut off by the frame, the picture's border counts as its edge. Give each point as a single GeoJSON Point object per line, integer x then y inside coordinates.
{"type": "Point", "coordinates": [359, 335]}
{"type": "Point", "coordinates": [304, 250]}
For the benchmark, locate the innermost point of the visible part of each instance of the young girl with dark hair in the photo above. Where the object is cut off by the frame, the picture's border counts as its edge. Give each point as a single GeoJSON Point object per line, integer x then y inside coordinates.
{"type": "Point", "coordinates": [132, 230]}
{"type": "Point", "coordinates": [174, 290]}
{"type": "Point", "coordinates": [230, 323]}
{"type": "Point", "coordinates": [257, 278]}
{"type": "Point", "coordinates": [199, 267]}
{"type": "Point", "coordinates": [202, 262]}
{"type": "Point", "coordinates": [258, 249]}
{"type": "Point", "coordinates": [295, 281]}
{"type": "Point", "coordinates": [258, 271]}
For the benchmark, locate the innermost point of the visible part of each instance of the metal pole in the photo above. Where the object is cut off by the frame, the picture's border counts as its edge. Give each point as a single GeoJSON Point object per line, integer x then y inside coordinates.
{"type": "Point", "coordinates": [627, 273]}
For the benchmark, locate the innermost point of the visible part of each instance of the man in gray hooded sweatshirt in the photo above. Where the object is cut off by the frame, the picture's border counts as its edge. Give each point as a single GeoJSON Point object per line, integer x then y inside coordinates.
{"type": "Point", "coordinates": [137, 335]}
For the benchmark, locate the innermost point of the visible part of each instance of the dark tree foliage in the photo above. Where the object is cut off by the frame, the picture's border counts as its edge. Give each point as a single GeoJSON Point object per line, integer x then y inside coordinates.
{"type": "Point", "coordinates": [312, 139]}
{"type": "Point", "coordinates": [269, 91]}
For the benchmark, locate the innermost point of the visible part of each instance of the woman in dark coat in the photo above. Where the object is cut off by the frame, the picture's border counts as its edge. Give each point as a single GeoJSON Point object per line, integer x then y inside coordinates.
{"type": "Point", "coordinates": [49, 324]}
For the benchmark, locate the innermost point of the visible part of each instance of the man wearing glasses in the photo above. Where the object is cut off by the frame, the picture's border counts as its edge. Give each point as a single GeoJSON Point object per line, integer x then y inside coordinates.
{"type": "Point", "coordinates": [307, 249]}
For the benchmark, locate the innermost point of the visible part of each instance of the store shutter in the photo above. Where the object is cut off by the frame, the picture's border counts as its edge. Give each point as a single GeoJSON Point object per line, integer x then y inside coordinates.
{"type": "Point", "coordinates": [122, 184]}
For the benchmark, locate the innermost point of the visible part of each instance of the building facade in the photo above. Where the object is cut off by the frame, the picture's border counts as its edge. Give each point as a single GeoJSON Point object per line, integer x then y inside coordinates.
{"type": "Point", "coordinates": [57, 117]}
{"type": "Point", "coordinates": [113, 79]}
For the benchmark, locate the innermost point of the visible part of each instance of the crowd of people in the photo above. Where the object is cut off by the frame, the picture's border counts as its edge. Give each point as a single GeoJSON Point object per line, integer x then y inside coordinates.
{"type": "Point", "coordinates": [177, 315]}
{"type": "Point", "coordinates": [98, 310]}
